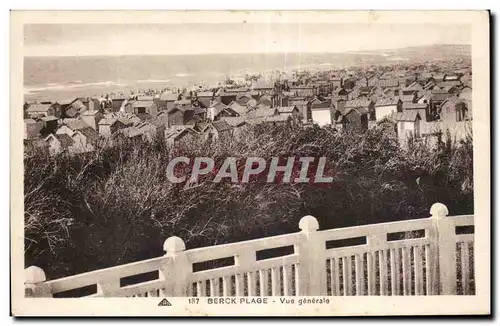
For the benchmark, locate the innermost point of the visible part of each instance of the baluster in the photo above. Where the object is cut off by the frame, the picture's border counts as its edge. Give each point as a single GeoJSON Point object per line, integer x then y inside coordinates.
{"type": "Point", "coordinates": [275, 281]}
{"type": "Point", "coordinates": [239, 285]}
{"type": "Point", "coordinates": [464, 259]}
{"type": "Point", "coordinates": [428, 270]}
{"type": "Point", "coordinates": [382, 264]}
{"type": "Point", "coordinates": [360, 277]}
{"type": "Point", "coordinates": [406, 272]}
{"type": "Point", "coordinates": [226, 286]}
{"type": "Point", "coordinates": [417, 255]}
{"type": "Point", "coordinates": [287, 280]}
{"type": "Point", "coordinates": [201, 288]}
{"type": "Point", "coordinates": [394, 279]}
{"type": "Point", "coordinates": [251, 284]}
{"type": "Point", "coordinates": [370, 262]}
{"type": "Point", "coordinates": [264, 283]}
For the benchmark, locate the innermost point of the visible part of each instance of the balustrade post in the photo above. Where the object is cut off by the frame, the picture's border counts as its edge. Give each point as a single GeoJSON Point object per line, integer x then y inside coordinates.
{"type": "Point", "coordinates": [177, 270]}
{"type": "Point", "coordinates": [34, 283]}
{"type": "Point", "coordinates": [312, 258]}
{"type": "Point", "coordinates": [445, 281]}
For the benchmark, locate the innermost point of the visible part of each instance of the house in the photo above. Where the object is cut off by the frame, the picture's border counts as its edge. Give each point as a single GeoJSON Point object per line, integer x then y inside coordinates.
{"type": "Point", "coordinates": [352, 118]}
{"type": "Point", "coordinates": [178, 134]}
{"type": "Point", "coordinates": [151, 129]}
{"type": "Point", "coordinates": [87, 136]}
{"type": "Point", "coordinates": [336, 81]}
{"type": "Point", "coordinates": [261, 113]}
{"type": "Point", "coordinates": [49, 125]}
{"type": "Point", "coordinates": [384, 107]}
{"type": "Point", "coordinates": [70, 126]}
{"type": "Point", "coordinates": [408, 124]}
{"type": "Point", "coordinates": [227, 97]}
{"type": "Point", "coordinates": [84, 141]}
{"type": "Point", "coordinates": [321, 113]}
{"type": "Point", "coordinates": [409, 98]}
{"type": "Point", "coordinates": [218, 129]}
{"type": "Point", "coordinates": [291, 111]}
{"type": "Point", "coordinates": [388, 83]}
{"type": "Point", "coordinates": [74, 109]}
{"type": "Point", "coordinates": [262, 86]}
{"type": "Point", "coordinates": [58, 143]}
{"type": "Point", "coordinates": [454, 110]}
{"type": "Point", "coordinates": [179, 115]}
{"type": "Point", "coordinates": [92, 118]}
{"type": "Point", "coordinates": [141, 107]}
{"type": "Point", "coordinates": [237, 109]}
{"type": "Point", "coordinates": [132, 133]}
{"type": "Point", "coordinates": [38, 110]}
{"type": "Point", "coordinates": [168, 99]}
{"type": "Point", "coordinates": [214, 110]}
{"type": "Point", "coordinates": [236, 122]}
{"type": "Point", "coordinates": [206, 98]}
{"type": "Point", "coordinates": [32, 128]}
{"type": "Point", "coordinates": [116, 102]}
{"type": "Point", "coordinates": [359, 103]}
{"type": "Point", "coordinates": [421, 108]}
{"type": "Point", "coordinates": [302, 90]}
{"type": "Point", "coordinates": [109, 126]}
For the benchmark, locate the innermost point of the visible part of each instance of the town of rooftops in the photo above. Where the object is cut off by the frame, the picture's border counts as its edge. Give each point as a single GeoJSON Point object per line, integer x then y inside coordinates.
{"type": "Point", "coordinates": [405, 100]}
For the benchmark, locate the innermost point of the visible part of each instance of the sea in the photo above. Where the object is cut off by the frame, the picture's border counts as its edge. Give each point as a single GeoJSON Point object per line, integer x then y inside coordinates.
{"type": "Point", "coordinates": [64, 78]}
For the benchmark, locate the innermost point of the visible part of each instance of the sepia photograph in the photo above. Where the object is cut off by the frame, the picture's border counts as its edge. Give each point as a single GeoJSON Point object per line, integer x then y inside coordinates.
{"type": "Point", "coordinates": [263, 159]}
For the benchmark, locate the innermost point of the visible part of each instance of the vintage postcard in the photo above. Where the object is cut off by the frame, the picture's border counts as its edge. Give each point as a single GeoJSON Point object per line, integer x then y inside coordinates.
{"type": "Point", "coordinates": [250, 163]}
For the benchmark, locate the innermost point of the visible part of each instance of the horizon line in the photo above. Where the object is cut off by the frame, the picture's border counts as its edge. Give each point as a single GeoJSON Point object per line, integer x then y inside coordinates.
{"type": "Point", "coordinates": [242, 53]}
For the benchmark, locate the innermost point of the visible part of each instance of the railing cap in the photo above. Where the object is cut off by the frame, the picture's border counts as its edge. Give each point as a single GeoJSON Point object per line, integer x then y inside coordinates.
{"type": "Point", "coordinates": [439, 210]}
{"type": "Point", "coordinates": [308, 223]}
{"type": "Point", "coordinates": [174, 244]}
{"type": "Point", "coordinates": [34, 275]}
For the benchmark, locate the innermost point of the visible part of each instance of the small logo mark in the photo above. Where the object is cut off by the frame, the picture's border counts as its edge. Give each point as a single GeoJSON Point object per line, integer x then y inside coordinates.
{"type": "Point", "coordinates": [164, 303]}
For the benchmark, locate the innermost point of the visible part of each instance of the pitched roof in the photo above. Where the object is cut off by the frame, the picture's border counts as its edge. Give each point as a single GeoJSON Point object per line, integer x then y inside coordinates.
{"type": "Point", "coordinates": [49, 118]}
{"type": "Point", "coordinates": [407, 98]}
{"type": "Point", "coordinates": [170, 97]}
{"type": "Point", "coordinates": [142, 104]}
{"type": "Point", "coordinates": [176, 130]}
{"type": "Point", "coordinates": [90, 133]}
{"type": "Point", "coordinates": [414, 106]}
{"type": "Point", "coordinates": [221, 125]}
{"type": "Point", "coordinates": [357, 103]}
{"type": "Point", "coordinates": [237, 108]}
{"type": "Point", "coordinates": [204, 94]}
{"type": "Point", "coordinates": [386, 101]}
{"type": "Point", "coordinates": [410, 116]}
{"type": "Point", "coordinates": [75, 124]}
{"type": "Point", "coordinates": [391, 82]}
{"type": "Point", "coordinates": [144, 116]}
{"type": "Point", "coordinates": [234, 121]}
{"type": "Point", "coordinates": [321, 105]}
{"type": "Point", "coordinates": [130, 132]}
{"type": "Point", "coordinates": [261, 112]}
{"type": "Point", "coordinates": [286, 109]}
{"type": "Point", "coordinates": [38, 107]}
{"type": "Point", "coordinates": [145, 98]}
{"type": "Point", "coordinates": [64, 139]}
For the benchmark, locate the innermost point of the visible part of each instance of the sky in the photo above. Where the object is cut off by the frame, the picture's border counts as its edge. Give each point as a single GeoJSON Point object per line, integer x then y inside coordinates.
{"type": "Point", "coordinates": [178, 39]}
